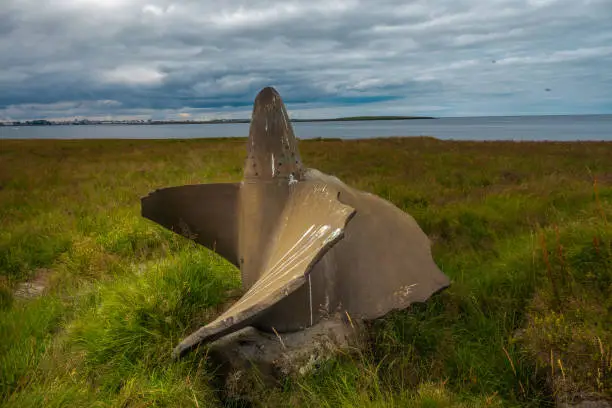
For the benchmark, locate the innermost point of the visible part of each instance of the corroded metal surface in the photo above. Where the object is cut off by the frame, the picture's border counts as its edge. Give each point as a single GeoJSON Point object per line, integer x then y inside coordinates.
{"type": "Point", "coordinates": [308, 246]}
{"type": "Point", "coordinates": [272, 147]}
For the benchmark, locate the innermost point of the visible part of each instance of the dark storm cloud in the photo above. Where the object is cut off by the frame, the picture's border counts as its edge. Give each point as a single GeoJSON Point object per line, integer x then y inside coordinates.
{"type": "Point", "coordinates": [161, 58]}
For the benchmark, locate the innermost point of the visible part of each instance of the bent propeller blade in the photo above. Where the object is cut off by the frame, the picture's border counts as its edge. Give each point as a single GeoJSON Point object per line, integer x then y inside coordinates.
{"type": "Point", "coordinates": [308, 246]}
{"type": "Point", "coordinates": [312, 222]}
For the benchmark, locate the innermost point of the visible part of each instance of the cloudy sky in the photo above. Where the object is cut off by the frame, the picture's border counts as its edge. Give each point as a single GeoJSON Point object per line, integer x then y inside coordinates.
{"type": "Point", "coordinates": [208, 59]}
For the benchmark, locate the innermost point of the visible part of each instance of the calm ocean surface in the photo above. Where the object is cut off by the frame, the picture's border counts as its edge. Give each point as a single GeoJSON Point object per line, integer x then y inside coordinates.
{"type": "Point", "coordinates": [560, 128]}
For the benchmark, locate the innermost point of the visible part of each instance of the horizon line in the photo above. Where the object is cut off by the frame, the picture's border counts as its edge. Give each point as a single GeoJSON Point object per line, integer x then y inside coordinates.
{"type": "Point", "coordinates": [11, 122]}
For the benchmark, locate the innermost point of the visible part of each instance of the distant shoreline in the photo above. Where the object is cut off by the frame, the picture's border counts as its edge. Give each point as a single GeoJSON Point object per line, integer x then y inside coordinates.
{"type": "Point", "coordinates": [363, 118]}
{"type": "Point", "coordinates": [492, 128]}
{"type": "Point", "coordinates": [206, 122]}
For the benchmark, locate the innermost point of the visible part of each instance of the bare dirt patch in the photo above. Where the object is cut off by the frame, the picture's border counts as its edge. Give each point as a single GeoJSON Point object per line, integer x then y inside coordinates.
{"type": "Point", "coordinates": [34, 287]}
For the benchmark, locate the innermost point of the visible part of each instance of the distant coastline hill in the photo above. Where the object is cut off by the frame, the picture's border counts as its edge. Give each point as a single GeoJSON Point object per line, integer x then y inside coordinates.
{"type": "Point", "coordinates": [42, 122]}
{"type": "Point", "coordinates": [360, 118]}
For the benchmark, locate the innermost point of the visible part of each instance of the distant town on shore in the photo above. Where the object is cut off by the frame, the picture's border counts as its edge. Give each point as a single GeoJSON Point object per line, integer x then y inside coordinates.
{"type": "Point", "coordinates": [81, 122]}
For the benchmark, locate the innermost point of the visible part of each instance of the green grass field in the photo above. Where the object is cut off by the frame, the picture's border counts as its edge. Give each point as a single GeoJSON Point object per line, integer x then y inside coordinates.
{"type": "Point", "coordinates": [522, 229]}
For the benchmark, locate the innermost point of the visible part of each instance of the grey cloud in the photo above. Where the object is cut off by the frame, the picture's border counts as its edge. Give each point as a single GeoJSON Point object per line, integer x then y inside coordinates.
{"type": "Point", "coordinates": [160, 57]}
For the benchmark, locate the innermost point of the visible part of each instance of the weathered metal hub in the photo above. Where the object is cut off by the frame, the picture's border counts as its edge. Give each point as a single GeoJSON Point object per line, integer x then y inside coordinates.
{"type": "Point", "coordinates": [308, 246]}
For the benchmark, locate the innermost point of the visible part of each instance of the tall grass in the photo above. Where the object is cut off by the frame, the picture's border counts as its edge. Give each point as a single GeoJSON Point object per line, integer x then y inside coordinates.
{"type": "Point", "coordinates": [522, 229]}
{"type": "Point", "coordinates": [112, 338]}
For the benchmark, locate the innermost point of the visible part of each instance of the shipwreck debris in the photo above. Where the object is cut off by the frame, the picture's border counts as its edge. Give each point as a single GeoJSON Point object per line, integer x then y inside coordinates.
{"type": "Point", "coordinates": [309, 247]}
